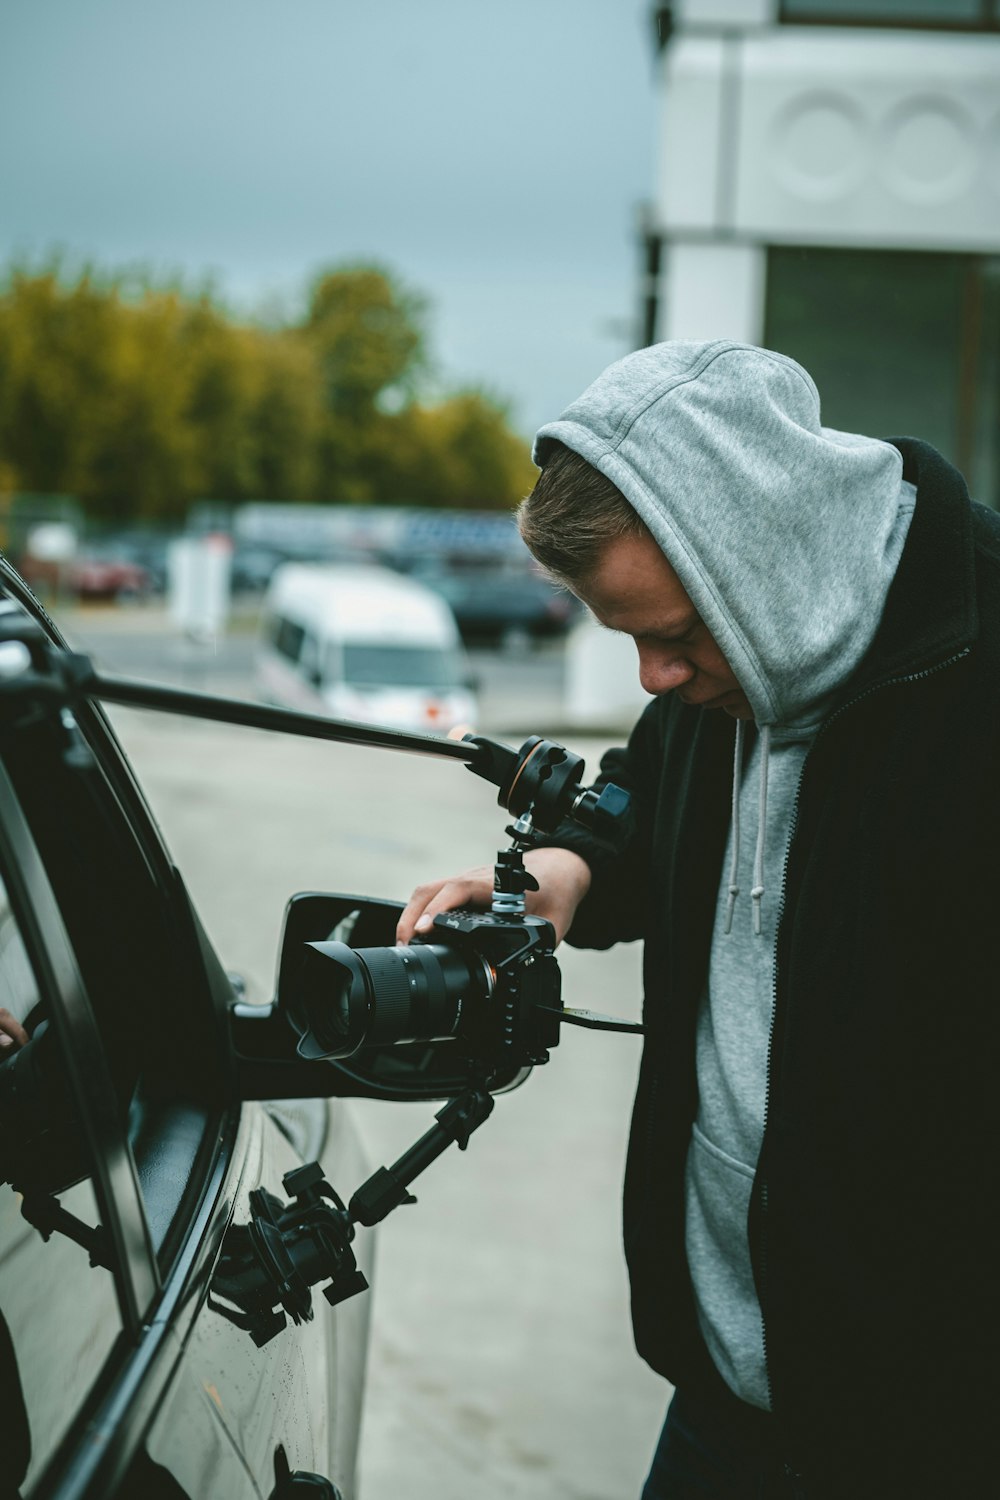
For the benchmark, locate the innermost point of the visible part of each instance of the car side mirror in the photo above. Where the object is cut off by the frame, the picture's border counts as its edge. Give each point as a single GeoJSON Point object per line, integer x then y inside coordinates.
{"type": "Point", "coordinates": [269, 1060]}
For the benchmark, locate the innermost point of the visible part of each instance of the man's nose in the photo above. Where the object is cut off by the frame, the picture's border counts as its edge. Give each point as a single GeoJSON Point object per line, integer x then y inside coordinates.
{"type": "Point", "coordinates": [661, 672]}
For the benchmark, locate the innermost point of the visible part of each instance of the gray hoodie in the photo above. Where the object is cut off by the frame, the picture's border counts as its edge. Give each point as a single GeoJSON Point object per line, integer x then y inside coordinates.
{"type": "Point", "coordinates": [786, 535]}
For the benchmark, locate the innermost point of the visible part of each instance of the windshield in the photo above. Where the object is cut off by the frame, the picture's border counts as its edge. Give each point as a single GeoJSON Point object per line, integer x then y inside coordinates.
{"type": "Point", "coordinates": [400, 666]}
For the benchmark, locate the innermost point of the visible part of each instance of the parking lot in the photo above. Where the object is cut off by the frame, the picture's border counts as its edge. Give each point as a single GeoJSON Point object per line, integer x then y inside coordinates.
{"type": "Point", "coordinates": [502, 1362]}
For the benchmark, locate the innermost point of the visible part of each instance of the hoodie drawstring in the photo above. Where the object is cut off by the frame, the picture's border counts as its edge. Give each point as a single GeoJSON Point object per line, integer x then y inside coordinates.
{"type": "Point", "coordinates": [757, 893]}
{"type": "Point", "coordinates": [734, 865]}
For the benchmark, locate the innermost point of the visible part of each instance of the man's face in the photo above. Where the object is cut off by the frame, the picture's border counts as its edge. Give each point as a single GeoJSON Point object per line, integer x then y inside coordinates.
{"type": "Point", "coordinates": [635, 590]}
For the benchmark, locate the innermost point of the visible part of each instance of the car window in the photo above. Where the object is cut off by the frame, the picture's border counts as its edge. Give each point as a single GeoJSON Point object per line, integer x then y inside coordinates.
{"type": "Point", "coordinates": [309, 658]}
{"type": "Point", "coordinates": [400, 666]}
{"type": "Point", "coordinates": [138, 949]}
{"type": "Point", "coordinates": [59, 1315]}
{"type": "Point", "coordinates": [287, 638]}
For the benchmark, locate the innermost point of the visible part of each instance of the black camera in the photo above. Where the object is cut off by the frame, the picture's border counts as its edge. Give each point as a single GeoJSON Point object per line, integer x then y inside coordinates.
{"type": "Point", "coordinates": [488, 980]}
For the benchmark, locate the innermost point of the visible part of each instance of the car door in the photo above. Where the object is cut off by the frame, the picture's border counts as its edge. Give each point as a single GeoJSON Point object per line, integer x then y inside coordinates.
{"type": "Point", "coordinates": [171, 1396]}
{"type": "Point", "coordinates": [63, 1320]}
{"type": "Point", "coordinates": [292, 1405]}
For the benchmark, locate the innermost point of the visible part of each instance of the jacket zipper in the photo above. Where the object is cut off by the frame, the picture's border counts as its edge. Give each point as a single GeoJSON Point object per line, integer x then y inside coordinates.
{"type": "Point", "coordinates": [844, 708]}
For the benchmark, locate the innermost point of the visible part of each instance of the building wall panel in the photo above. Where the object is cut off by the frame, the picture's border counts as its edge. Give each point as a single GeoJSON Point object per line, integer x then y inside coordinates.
{"type": "Point", "coordinates": [867, 138]}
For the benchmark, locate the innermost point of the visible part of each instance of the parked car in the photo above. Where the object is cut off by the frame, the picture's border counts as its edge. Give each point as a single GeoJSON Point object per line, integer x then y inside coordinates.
{"type": "Point", "coordinates": [164, 1233]}
{"type": "Point", "coordinates": [148, 550]}
{"type": "Point", "coordinates": [252, 568]}
{"type": "Point", "coordinates": [362, 643]}
{"type": "Point", "coordinates": [97, 574]}
{"type": "Point", "coordinates": [105, 573]}
{"type": "Point", "coordinates": [500, 605]}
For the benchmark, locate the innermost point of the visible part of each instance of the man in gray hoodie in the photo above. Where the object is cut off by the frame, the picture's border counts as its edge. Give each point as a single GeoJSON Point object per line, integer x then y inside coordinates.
{"type": "Point", "coordinates": [694, 501]}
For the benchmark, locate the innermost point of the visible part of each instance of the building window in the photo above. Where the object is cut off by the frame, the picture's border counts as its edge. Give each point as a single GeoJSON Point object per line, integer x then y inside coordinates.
{"type": "Point", "coordinates": [957, 15]}
{"type": "Point", "coordinates": [900, 343]}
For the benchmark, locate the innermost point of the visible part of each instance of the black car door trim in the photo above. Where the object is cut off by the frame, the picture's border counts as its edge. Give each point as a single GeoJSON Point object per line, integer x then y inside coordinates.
{"type": "Point", "coordinates": [103, 743]}
{"type": "Point", "coordinates": [94, 1460]}
{"type": "Point", "coordinates": [62, 987]}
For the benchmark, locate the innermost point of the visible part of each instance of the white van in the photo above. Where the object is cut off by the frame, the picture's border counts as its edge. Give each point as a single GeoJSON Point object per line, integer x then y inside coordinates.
{"type": "Point", "coordinates": [363, 643]}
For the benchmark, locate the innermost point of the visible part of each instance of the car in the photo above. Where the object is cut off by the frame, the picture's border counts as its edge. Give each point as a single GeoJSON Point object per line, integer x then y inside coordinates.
{"type": "Point", "coordinates": [252, 567]}
{"type": "Point", "coordinates": [182, 1307]}
{"type": "Point", "coordinates": [95, 575]}
{"type": "Point", "coordinates": [122, 565]}
{"type": "Point", "coordinates": [105, 573]}
{"type": "Point", "coordinates": [500, 605]}
{"type": "Point", "coordinates": [130, 1159]}
{"type": "Point", "coordinates": [363, 643]}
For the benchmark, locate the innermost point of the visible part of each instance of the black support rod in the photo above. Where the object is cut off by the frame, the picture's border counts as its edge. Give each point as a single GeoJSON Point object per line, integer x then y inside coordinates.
{"type": "Point", "coordinates": [161, 699]}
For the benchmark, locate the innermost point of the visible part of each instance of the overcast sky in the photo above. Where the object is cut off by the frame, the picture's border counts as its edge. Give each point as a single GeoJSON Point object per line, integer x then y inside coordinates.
{"type": "Point", "coordinates": [492, 154]}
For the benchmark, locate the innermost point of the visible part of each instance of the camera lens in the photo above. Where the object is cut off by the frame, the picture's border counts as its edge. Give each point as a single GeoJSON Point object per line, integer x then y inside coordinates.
{"type": "Point", "coordinates": [416, 992]}
{"type": "Point", "coordinates": [362, 997]}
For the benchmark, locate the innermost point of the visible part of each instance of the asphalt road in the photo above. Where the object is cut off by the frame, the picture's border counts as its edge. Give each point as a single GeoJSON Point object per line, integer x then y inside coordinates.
{"type": "Point", "coordinates": [502, 1362]}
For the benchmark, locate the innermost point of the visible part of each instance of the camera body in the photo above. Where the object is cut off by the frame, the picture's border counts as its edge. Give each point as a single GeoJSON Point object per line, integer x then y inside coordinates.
{"type": "Point", "coordinates": [488, 980]}
{"type": "Point", "coordinates": [517, 1020]}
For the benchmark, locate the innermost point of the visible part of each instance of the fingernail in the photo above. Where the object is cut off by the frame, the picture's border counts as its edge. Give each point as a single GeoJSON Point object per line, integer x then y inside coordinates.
{"type": "Point", "coordinates": [5, 1040]}
{"type": "Point", "coordinates": [424, 924]}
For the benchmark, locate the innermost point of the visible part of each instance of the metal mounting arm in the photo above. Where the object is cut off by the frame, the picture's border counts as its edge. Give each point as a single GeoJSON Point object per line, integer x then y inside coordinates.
{"type": "Point", "coordinates": [269, 1266]}
{"type": "Point", "coordinates": [541, 777]}
{"type": "Point", "coordinates": [387, 1188]}
{"type": "Point", "coordinates": [61, 678]}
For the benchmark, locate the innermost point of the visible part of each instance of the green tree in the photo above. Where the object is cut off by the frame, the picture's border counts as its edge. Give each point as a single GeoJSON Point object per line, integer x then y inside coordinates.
{"type": "Point", "coordinates": [55, 344]}
{"type": "Point", "coordinates": [139, 399]}
{"type": "Point", "coordinates": [473, 458]}
{"type": "Point", "coordinates": [367, 331]}
{"type": "Point", "coordinates": [146, 454]}
{"type": "Point", "coordinates": [288, 419]}
{"type": "Point", "coordinates": [460, 452]}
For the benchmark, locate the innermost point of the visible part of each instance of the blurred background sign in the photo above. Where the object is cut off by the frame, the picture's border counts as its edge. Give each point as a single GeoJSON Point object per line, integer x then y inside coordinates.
{"type": "Point", "coordinates": [52, 542]}
{"type": "Point", "coordinates": [198, 585]}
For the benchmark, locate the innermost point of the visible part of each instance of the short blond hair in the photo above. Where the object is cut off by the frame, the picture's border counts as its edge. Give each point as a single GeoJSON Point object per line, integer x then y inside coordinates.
{"type": "Point", "coordinates": [572, 514]}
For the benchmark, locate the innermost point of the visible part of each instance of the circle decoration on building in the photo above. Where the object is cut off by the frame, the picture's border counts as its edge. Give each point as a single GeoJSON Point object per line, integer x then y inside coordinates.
{"type": "Point", "coordinates": [819, 145]}
{"type": "Point", "coordinates": [929, 150]}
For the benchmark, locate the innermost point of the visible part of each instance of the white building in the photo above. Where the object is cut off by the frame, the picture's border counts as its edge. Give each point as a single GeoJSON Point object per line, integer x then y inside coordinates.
{"type": "Point", "coordinates": [830, 187]}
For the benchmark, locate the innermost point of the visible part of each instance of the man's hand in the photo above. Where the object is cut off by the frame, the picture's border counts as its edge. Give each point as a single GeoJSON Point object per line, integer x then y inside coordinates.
{"type": "Point", "coordinates": [12, 1034]}
{"type": "Point", "coordinates": [563, 881]}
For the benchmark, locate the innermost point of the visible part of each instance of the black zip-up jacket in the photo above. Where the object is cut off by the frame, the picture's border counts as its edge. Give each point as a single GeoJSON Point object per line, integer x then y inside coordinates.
{"type": "Point", "coordinates": [873, 1219]}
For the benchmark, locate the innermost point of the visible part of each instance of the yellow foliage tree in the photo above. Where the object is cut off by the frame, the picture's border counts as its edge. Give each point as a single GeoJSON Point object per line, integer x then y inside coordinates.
{"type": "Point", "coordinates": [139, 399]}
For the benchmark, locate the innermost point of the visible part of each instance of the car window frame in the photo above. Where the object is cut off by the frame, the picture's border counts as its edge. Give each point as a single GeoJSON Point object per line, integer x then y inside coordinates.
{"type": "Point", "coordinates": [158, 1296]}
{"type": "Point", "coordinates": [61, 989]}
{"type": "Point", "coordinates": [157, 1311]}
{"type": "Point", "coordinates": [104, 744]}
{"type": "Point", "coordinates": [213, 1094]}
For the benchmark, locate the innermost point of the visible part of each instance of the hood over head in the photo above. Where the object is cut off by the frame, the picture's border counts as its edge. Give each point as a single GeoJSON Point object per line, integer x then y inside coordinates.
{"type": "Point", "coordinates": [783, 532]}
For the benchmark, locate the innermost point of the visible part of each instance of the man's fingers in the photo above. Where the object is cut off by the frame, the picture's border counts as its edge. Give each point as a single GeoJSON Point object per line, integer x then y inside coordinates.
{"type": "Point", "coordinates": [12, 1033]}
{"type": "Point", "coordinates": [417, 904]}
{"type": "Point", "coordinates": [564, 878]}
{"type": "Point", "coordinates": [471, 889]}
{"type": "Point", "coordinates": [454, 893]}
{"type": "Point", "coordinates": [425, 904]}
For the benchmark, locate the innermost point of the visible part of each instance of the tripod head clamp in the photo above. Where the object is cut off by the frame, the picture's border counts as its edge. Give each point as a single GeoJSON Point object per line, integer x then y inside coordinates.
{"type": "Point", "coordinates": [540, 785]}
